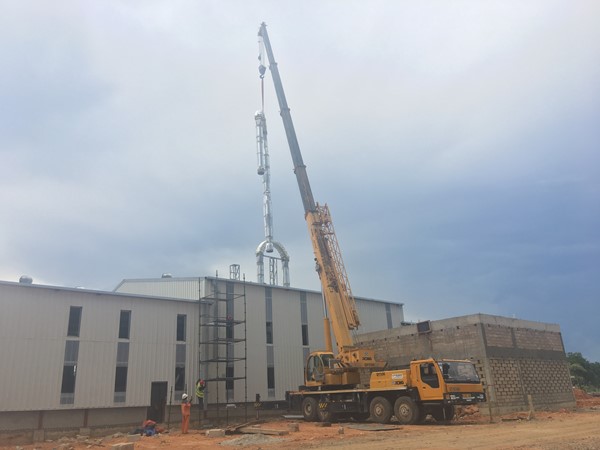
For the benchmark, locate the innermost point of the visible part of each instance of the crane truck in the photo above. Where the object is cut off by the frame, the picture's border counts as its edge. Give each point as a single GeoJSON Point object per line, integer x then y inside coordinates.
{"type": "Point", "coordinates": [332, 386]}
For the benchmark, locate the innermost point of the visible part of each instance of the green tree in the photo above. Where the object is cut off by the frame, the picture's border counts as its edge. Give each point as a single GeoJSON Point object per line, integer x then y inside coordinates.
{"type": "Point", "coordinates": [584, 373]}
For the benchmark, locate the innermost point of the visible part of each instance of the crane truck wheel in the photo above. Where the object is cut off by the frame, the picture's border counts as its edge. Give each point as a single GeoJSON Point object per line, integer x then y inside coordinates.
{"type": "Point", "coordinates": [443, 413]}
{"type": "Point", "coordinates": [381, 410]}
{"type": "Point", "coordinates": [325, 416]}
{"type": "Point", "coordinates": [406, 411]}
{"type": "Point", "coordinates": [310, 408]}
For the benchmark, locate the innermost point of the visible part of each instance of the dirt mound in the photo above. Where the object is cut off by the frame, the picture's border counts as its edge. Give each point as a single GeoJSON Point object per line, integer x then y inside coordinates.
{"type": "Point", "coordinates": [580, 394]}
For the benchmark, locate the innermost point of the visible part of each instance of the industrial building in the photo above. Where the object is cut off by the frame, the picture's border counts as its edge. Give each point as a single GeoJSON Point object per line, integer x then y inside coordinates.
{"type": "Point", "coordinates": [82, 359]}
{"type": "Point", "coordinates": [77, 358]}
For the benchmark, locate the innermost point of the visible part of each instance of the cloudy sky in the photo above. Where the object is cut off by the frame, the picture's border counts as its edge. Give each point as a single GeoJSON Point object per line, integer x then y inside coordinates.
{"type": "Point", "coordinates": [456, 143]}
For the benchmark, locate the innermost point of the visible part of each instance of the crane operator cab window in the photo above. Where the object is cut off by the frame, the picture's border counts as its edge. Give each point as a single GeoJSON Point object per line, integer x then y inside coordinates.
{"type": "Point", "coordinates": [429, 375]}
{"type": "Point", "coordinates": [314, 368]}
{"type": "Point", "coordinates": [316, 365]}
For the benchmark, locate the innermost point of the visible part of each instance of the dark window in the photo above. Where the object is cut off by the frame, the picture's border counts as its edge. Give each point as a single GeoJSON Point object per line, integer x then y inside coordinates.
{"type": "Point", "coordinates": [229, 374]}
{"type": "Point", "coordinates": [179, 378]}
{"type": "Point", "coordinates": [271, 377]}
{"type": "Point", "coordinates": [304, 334]}
{"type": "Point", "coordinates": [388, 315]}
{"type": "Point", "coordinates": [68, 379]}
{"type": "Point", "coordinates": [269, 332]}
{"type": "Point", "coordinates": [122, 353]}
{"type": "Point", "coordinates": [121, 379]}
{"type": "Point", "coordinates": [124, 324]}
{"type": "Point", "coordinates": [74, 321]}
{"type": "Point", "coordinates": [181, 318]}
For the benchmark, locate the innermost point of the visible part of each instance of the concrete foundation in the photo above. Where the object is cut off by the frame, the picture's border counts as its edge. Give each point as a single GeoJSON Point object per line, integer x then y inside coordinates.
{"type": "Point", "coordinates": [515, 358]}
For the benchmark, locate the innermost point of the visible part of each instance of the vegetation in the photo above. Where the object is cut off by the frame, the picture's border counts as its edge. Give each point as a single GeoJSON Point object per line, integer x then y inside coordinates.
{"type": "Point", "coordinates": [585, 374]}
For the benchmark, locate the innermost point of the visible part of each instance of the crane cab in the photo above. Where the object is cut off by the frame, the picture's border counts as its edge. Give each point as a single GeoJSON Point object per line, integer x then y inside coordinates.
{"type": "Point", "coordinates": [324, 369]}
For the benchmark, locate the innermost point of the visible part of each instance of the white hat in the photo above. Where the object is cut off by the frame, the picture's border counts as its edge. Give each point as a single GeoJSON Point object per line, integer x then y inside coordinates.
{"type": "Point", "coordinates": [184, 396]}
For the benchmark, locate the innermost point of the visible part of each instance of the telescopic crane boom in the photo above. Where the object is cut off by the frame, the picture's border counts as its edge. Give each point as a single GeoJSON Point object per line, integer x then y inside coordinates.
{"type": "Point", "coordinates": [338, 296]}
{"type": "Point", "coordinates": [332, 385]}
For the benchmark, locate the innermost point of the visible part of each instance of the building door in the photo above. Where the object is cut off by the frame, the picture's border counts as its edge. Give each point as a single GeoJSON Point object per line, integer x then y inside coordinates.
{"type": "Point", "coordinates": [158, 401]}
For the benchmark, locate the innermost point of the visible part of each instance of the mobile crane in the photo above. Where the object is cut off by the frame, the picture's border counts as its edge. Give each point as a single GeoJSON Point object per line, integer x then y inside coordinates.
{"type": "Point", "coordinates": [332, 383]}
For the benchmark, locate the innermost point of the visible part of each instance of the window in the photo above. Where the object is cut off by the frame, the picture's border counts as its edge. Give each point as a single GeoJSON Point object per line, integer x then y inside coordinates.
{"type": "Point", "coordinates": [229, 328]}
{"type": "Point", "coordinates": [388, 315]}
{"type": "Point", "coordinates": [181, 319]}
{"type": "Point", "coordinates": [67, 389]}
{"type": "Point", "coordinates": [121, 380]}
{"type": "Point", "coordinates": [124, 324]}
{"type": "Point", "coordinates": [121, 371]}
{"type": "Point", "coordinates": [229, 375]}
{"type": "Point", "coordinates": [68, 379]}
{"type": "Point", "coordinates": [179, 379]}
{"type": "Point", "coordinates": [271, 377]}
{"type": "Point", "coordinates": [304, 318]}
{"type": "Point", "coordinates": [269, 332]}
{"type": "Point", "coordinates": [180, 350]}
{"type": "Point", "coordinates": [74, 321]}
{"type": "Point", "coordinates": [304, 334]}
{"type": "Point", "coordinates": [270, 371]}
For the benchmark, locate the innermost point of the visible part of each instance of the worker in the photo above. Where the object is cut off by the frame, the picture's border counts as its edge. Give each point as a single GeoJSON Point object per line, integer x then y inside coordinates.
{"type": "Point", "coordinates": [185, 413]}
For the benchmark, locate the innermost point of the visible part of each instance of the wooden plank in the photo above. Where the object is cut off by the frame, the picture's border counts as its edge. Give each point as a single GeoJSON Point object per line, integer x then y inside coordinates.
{"type": "Point", "coordinates": [234, 428]}
{"type": "Point", "coordinates": [256, 430]}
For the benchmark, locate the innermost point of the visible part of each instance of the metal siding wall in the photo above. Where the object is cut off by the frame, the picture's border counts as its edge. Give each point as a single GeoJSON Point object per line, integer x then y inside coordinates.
{"type": "Point", "coordinates": [287, 341]}
{"type": "Point", "coordinates": [32, 378]}
{"type": "Point", "coordinates": [314, 305]}
{"type": "Point", "coordinates": [34, 343]}
{"type": "Point", "coordinates": [32, 332]}
{"type": "Point", "coordinates": [183, 288]}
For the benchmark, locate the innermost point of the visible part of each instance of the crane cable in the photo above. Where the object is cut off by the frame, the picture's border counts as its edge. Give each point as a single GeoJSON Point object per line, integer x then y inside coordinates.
{"type": "Point", "coordinates": [262, 93]}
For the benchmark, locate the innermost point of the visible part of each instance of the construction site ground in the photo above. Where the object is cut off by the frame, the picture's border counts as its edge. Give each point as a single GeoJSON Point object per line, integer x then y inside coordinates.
{"type": "Point", "coordinates": [565, 429]}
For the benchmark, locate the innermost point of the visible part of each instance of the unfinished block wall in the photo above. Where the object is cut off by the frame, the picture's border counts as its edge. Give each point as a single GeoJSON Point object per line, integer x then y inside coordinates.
{"type": "Point", "coordinates": [515, 358]}
{"type": "Point", "coordinates": [527, 362]}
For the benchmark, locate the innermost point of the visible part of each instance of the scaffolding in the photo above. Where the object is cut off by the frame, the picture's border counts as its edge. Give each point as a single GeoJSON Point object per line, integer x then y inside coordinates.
{"type": "Point", "coordinates": [222, 343]}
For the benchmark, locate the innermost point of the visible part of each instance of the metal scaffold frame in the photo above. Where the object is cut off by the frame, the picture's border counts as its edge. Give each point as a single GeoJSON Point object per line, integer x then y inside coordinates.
{"type": "Point", "coordinates": [222, 343]}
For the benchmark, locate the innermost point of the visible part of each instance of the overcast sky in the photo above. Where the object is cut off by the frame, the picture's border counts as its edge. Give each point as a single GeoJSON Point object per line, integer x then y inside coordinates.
{"type": "Point", "coordinates": [456, 143]}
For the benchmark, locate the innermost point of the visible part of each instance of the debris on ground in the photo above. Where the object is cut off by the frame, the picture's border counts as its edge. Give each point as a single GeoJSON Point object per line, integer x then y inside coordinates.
{"type": "Point", "coordinates": [373, 427]}
{"type": "Point", "coordinates": [234, 428]}
{"type": "Point", "coordinates": [251, 439]}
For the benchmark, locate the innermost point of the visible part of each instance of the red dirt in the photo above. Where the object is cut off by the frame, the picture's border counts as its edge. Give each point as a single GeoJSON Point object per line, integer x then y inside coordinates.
{"type": "Point", "coordinates": [551, 430]}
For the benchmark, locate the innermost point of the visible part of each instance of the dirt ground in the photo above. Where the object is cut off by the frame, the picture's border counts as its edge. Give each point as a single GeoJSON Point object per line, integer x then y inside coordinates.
{"type": "Point", "coordinates": [578, 429]}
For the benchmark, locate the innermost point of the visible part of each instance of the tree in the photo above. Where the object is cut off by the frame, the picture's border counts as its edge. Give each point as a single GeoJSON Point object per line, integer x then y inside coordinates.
{"type": "Point", "coordinates": [584, 373]}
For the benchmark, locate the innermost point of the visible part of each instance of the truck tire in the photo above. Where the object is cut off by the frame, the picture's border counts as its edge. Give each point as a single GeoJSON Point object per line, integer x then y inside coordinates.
{"type": "Point", "coordinates": [443, 413]}
{"type": "Point", "coordinates": [381, 410]}
{"type": "Point", "coordinates": [310, 408]}
{"type": "Point", "coordinates": [325, 416]}
{"type": "Point", "coordinates": [407, 411]}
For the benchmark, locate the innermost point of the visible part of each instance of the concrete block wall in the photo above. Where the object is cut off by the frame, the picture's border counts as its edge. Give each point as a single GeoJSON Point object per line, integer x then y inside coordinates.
{"type": "Point", "coordinates": [514, 358]}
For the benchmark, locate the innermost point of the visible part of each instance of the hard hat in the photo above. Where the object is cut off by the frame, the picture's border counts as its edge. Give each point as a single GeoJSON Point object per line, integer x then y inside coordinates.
{"type": "Point", "coordinates": [184, 396]}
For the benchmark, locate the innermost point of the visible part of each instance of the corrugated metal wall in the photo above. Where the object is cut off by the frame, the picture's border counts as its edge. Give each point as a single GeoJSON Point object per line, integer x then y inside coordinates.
{"type": "Point", "coordinates": [34, 322]}
{"type": "Point", "coordinates": [33, 329]}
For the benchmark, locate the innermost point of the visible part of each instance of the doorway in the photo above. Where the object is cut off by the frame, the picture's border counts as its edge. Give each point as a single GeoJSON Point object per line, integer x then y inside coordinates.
{"type": "Point", "coordinates": [158, 402]}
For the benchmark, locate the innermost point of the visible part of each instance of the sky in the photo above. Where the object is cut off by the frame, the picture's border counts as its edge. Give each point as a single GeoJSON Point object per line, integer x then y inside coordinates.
{"type": "Point", "coordinates": [456, 143]}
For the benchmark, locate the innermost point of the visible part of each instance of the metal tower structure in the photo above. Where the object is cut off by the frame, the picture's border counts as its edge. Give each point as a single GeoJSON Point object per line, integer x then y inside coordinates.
{"type": "Point", "coordinates": [264, 170]}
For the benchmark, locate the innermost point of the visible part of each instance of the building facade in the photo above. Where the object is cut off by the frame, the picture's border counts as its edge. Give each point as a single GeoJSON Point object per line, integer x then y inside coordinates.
{"type": "Point", "coordinates": [75, 358]}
